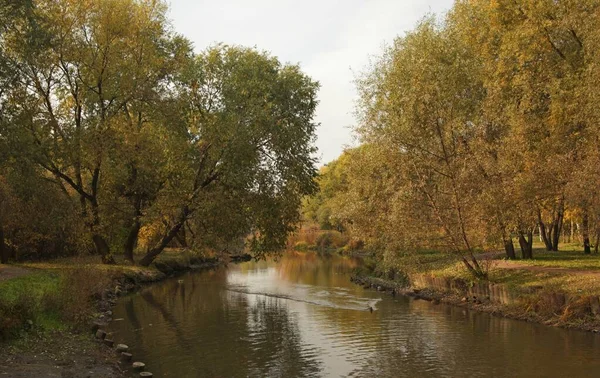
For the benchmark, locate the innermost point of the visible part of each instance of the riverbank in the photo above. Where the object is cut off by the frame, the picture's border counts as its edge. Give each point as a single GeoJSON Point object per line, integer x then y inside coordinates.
{"type": "Point", "coordinates": [559, 289]}
{"type": "Point", "coordinates": [50, 309]}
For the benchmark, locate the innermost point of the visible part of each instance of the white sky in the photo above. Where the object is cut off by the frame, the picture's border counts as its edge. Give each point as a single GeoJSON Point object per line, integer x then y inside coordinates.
{"type": "Point", "coordinates": [332, 40]}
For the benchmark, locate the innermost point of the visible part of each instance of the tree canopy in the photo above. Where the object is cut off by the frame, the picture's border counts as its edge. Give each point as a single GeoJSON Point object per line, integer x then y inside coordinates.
{"type": "Point", "coordinates": [110, 120]}
{"type": "Point", "coordinates": [478, 128]}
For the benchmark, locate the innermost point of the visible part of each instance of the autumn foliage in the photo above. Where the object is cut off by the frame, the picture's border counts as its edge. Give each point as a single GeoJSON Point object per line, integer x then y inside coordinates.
{"type": "Point", "coordinates": [477, 130]}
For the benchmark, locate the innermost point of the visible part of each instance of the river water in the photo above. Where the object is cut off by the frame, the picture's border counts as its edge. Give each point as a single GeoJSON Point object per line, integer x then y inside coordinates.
{"type": "Point", "coordinates": [301, 317]}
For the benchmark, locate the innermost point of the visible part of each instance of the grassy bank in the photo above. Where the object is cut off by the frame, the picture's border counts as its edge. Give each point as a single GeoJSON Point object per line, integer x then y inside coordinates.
{"type": "Point", "coordinates": [28, 301]}
{"type": "Point", "coordinates": [43, 314]}
{"type": "Point", "coordinates": [47, 308]}
{"type": "Point", "coordinates": [64, 293]}
{"type": "Point", "coordinates": [556, 288]}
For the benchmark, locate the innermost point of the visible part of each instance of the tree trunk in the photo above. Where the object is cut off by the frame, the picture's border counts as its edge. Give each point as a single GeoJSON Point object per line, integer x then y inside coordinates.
{"type": "Point", "coordinates": [3, 248]}
{"type": "Point", "coordinates": [597, 241]}
{"type": "Point", "coordinates": [475, 270]}
{"type": "Point", "coordinates": [526, 245]}
{"type": "Point", "coordinates": [154, 252]}
{"type": "Point", "coordinates": [585, 231]}
{"type": "Point", "coordinates": [167, 238]}
{"type": "Point", "coordinates": [572, 233]}
{"type": "Point", "coordinates": [509, 248]}
{"type": "Point", "coordinates": [530, 243]}
{"type": "Point", "coordinates": [557, 225]}
{"type": "Point", "coordinates": [103, 249]}
{"type": "Point", "coordinates": [131, 240]}
{"type": "Point", "coordinates": [182, 238]}
{"type": "Point", "coordinates": [546, 237]}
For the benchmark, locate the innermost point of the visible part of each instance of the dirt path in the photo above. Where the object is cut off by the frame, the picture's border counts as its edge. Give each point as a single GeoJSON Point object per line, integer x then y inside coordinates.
{"type": "Point", "coordinates": [61, 355]}
{"type": "Point", "coordinates": [8, 271]}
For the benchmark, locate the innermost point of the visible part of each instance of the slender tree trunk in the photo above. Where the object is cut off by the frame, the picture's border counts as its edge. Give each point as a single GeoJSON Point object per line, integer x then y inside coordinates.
{"type": "Point", "coordinates": [585, 231]}
{"type": "Point", "coordinates": [509, 248]}
{"type": "Point", "coordinates": [530, 243]}
{"type": "Point", "coordinates": [546, 237]}
{"type": "Point", "coordinates": [572, 234]}
{"type": "Point", "coordinates": [597, 240]}
{"type": "Point", "coordinates": [154, 252]}
{"type": "Point", "coordinates": [103, 249]}
{"type": "Point", "coordinates": [3, 248]}
{"type": "Point", "coordinates": [523, 245]}
{"type": "Point", "coordinates": [476, 272]}
{"type": "Point", "coordinates": [182, 238]}
{"type": "Point", "coordinates": [557, 225]}
{"type": "Point", "coordinates": [131, 240]}
{"type": "Point", "coordinates": [132, 236]}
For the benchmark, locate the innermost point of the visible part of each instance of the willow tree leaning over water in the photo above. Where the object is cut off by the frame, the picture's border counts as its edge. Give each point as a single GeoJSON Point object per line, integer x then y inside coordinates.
{"type": "Point", "coordinates": [139, 134]}
{"type": "Point", "coordinates": [246, 127]}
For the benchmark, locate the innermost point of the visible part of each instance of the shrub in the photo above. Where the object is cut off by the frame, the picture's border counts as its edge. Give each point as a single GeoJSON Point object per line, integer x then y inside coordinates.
{"type": "Point", "coordinates": [355, 245]}
{"type": "Point", "coordinates": [46, 299]}
{"type": "Point", "coordinates": [21, 300]}
{"type": "Point", "coordinates": [301, 246]}
{"type": "Point", "coordinates": [14, 314]}
{"type": "Point", "coordinates": [79, 287]}
{"type": "Point", "coordinates": [331, 240]}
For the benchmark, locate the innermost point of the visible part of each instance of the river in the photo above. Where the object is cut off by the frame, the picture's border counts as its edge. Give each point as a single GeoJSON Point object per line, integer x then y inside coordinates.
{"type": "Point", "coordinates": [301, 317]}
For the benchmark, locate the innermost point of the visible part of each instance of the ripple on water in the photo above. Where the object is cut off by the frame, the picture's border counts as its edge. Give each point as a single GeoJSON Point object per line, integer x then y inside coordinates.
{"type": "Point", "coordinates": [302, 318]}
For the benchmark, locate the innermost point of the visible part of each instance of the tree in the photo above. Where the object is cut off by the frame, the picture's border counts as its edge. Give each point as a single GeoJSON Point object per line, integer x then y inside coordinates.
{"type": "Point", "coordinates": [487, 122]}
{"type": "Point", "coordinates": [421, 99]}
{"type": "Point", "coordinates": [326, 206]}
{"type": "Point", "coordinates": [98, 59]}
{"type": "Point", "coordinates": [246, 135]}
{"type": "Point", "coordinates": [536, 62]}
{"type": "Point", "coordinates": [104, 103]}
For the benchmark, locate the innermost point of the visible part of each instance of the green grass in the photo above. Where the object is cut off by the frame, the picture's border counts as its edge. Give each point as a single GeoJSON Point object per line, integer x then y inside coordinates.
{"type": "Point", "coordinates": [36, 285]}
{"type": "Point", "coordinates": [32, 297]}
{"type": "Point", "coordinates": [58, 294]}
{"type": "Point", "coordinates": [570, 256]}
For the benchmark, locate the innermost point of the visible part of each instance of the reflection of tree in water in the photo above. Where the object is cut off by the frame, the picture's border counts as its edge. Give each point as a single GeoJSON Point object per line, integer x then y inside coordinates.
{"type": "Point", "coordinates": [315, 269]}
{"type": "Point", "coordinates": [199, 329]}
{"type": "Point", "coordinates": [278, 349]}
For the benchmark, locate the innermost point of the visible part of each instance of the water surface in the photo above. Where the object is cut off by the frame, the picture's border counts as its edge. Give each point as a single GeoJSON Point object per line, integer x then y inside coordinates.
{"type": "Point", "coordinates": [301, 317]}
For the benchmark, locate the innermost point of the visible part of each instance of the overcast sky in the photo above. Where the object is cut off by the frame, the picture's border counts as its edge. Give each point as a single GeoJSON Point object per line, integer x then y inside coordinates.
{"type": "Point", "coordinates": [332, 40]}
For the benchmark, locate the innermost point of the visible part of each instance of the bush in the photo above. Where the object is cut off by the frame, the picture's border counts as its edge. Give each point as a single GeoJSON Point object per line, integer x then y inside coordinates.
{"type": "Point", "coordinates": [355, 245]}
{"type": "Point", "coordinates": [301, 246]}
{"type": "Point", "coordinates": [14, 314]}
{"type": "Point", "coordinates": [331, 240]}
{"type": "Point", "coordinates": [46, 299]}
{"type": "Point", "coordinates": [79, 288]}
{"type": "Point", "coordinates": [22, 300]}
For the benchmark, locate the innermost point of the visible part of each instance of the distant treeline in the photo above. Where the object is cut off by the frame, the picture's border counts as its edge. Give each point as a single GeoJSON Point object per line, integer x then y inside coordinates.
{"type": "Point", "coordinates": [115, 135]}
{"type": "Point", "coordinates": [476, 130]}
